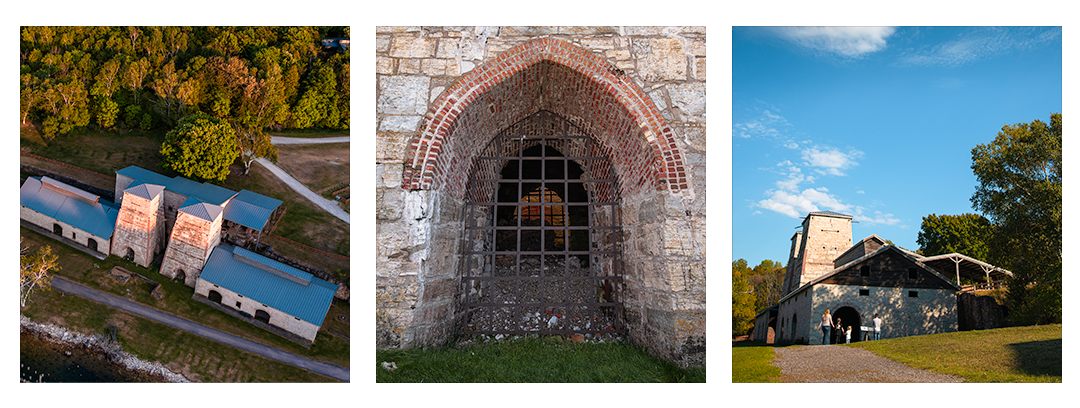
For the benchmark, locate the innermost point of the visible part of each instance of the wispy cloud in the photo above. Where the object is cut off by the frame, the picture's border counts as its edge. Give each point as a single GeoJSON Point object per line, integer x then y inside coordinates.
{"type": "Point", "coordinates": [981, 44]}
{"type": "Point", "coordinates": [766, 124]}
{"type": "Point", "coordinates": [878, 218]}
{"type": "Point", "coordinates": [829, 160]}
{"type": "Point", "coordinates": [795, 205]}
{"type": "Point", "coordinates": [849, 42]}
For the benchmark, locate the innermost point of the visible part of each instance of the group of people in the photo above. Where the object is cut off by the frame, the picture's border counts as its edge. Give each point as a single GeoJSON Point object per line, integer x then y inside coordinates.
{"type": "Point", "coordinates": [827, 327]}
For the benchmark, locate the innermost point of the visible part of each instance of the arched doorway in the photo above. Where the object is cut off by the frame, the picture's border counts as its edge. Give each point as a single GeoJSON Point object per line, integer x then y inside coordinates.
{"type": "Point", "coordinates": [795, 338]}
{"type": "Point", "coordinates": [848, 317]}
{"type": "Point", "coordinates": [659, 211]}
{"type": "Point", "coordinates": [92, 244]}
{"type": "Point", "coordinates": [262, 316]}
{"type": "Point", "coordinates": [542, 231]}
{"type": "Point", "coordinates": [214, 296]}
{"type": "Point", "coordinates": [130, 254]}
{"type": "Point", "coordinates": [56, 229]}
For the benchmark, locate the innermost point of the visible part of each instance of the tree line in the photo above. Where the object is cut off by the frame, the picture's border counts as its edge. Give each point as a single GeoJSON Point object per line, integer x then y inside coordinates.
{"type": "Point", "coordinates": [753, 290]}
{"type": "Point", "coordinates": [254, 78]}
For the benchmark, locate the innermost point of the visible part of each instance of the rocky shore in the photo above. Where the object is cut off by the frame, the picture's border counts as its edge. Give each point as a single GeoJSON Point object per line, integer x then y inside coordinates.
{"type": "Point", "coordinates": [112, 351]}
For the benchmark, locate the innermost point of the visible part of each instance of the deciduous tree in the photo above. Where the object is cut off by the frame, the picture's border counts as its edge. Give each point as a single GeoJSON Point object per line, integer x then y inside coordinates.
{"type": "Point", "coordinates": [35, 271]}
{"type": "Point", "coordinates": [967, 234]}
{"type": "Point", "coordinates": [742, 299]}
{"type": "Point", "coordinates": [200, 147]}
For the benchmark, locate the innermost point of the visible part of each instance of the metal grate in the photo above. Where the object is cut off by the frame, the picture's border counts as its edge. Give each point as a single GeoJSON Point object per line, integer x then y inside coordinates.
{"type": "Point", "coordinates": [542, 234]}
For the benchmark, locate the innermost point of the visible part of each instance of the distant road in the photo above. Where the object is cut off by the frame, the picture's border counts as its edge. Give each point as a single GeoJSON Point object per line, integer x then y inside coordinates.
{"type": "Point", "coordinates": [329, 206]}
{"type": "Point", "coordinates": [281, 140]}
{"type": "Point", "coordinates": [326, 369]}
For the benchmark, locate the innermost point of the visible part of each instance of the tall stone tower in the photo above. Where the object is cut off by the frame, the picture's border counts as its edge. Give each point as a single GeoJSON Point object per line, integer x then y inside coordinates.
{"type": "Point", "coordinates": [194, 235]}
{"type": "Point", "coordinates": [824, 236]}
{"type": "Point", "coordinates": [140, 224]}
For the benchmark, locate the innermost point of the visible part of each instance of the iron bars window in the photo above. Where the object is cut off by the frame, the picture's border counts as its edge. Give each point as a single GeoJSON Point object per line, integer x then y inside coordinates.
{"type": "Point", "coordinates": [542, 234]}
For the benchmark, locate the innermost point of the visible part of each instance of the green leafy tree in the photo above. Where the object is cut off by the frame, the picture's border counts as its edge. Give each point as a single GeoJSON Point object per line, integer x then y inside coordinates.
{"type": "Point", "coordinates": [200, 147]}
{"type": "Point", "coordinates": [107, 111]}
{"type": "Point", "coordinates": [35, 271]}
{"type": "Point", "coordinates": [768, 280]}
{"type": "Point", "coordinates": [968, 234]}
{"type": "Point", "coordinates": [1019, 190]}
{"type": "Point", "coordinates": [742, 299]}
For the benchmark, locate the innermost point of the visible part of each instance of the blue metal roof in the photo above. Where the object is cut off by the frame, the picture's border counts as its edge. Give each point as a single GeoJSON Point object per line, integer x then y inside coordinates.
{"type": "Point", "coordinates": [202, 210]}
{"type": "Point", "coordinates": [70, 205]}
{"type": "Point", "coordinates": [272, 283]}
{"type": "Point", "coordinates": [247, 208]}
{"type": "Point", "coordinates": [205, 192]}
{"type": "Point", "coordinates": [144, 190]}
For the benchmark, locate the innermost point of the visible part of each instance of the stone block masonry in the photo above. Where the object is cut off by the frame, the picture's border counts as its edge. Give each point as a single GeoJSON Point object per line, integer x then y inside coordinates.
{"type": "Point", "coordinates": [190, 244]}
{"type": "Point", "coordinates": [139, 228]}
{"type": "Point", "coordinates": [442, 93]}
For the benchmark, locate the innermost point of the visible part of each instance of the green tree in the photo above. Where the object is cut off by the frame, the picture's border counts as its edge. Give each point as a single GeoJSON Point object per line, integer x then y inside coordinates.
{"type": "Point", "coordinates": [200, 147]}
{"type": "Point", "coordinates": [1019, 190]}
{"type": "Point", "coordinates": [767, 280]}
{"type": "Point", "coordinates": [967, 234]}
{"type": "Point", "coordinates": [742, 299]}
{"type": "Point", "coordinates": [107, 111]}
{"type": "Point", "coordinates": [35, 271]}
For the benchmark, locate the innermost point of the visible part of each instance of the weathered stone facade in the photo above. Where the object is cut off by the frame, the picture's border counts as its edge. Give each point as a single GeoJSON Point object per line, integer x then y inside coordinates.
{"type": "Point", "coordinates": [276, 318]}
{"type": "Point", "coordinates": [860, 281]}
{"type": "Point", "coordinates": [442, 95]}
{"type": "Point", "coordinates": [140, 225]}
{"type": "Point", "coordinates": [193, 238]}
{"type": "Point", "coordinates": [823, 237]}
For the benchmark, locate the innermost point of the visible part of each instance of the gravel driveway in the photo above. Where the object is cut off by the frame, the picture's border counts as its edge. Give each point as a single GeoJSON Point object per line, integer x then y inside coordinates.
{"type": "Point", "coordinates": [847, 364]}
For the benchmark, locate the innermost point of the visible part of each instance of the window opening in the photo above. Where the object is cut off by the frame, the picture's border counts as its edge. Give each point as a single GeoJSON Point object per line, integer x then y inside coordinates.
{"type": "Point", "coordinates": [542, 234]}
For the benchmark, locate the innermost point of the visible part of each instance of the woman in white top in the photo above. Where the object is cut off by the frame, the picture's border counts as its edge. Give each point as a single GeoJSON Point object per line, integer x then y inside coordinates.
{"type": "Point", "coordinates": [826, 327]}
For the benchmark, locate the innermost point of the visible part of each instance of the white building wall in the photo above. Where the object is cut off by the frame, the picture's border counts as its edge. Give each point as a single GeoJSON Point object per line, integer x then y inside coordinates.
{"type": "Point", "coordinates": [932, 311]}
{"type": "Point", "coordinates": [79, 236]}
{"type": "Point", "coordinates": [248, 305]}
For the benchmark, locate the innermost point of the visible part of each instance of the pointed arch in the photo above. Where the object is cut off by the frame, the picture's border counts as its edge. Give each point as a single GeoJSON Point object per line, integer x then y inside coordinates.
{"type": "Point", "coordinates": [554, 75]}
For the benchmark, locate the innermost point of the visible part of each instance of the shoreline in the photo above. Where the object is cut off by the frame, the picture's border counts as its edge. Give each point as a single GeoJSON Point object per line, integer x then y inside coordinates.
{"type": "Point", "coordinates": [112, 351]}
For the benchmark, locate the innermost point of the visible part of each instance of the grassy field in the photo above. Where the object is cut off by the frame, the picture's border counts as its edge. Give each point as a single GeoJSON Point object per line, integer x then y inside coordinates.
{"type": "Point", "coordinates": [1014, 354]}
{"type": "Point", "coordinates": [197, 358]}
{"type": "Point", "coordinates": [533, 359]}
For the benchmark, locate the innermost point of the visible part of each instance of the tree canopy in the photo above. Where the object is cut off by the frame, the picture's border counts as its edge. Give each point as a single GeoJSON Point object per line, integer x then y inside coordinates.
{"type": "Point", "coordinates": [1019, 190]}
{"type": "Point", "coordinates": [753, 290]}
{"type": "Point", "coordinates": [35, 271]}
{"type": "Point", "coordinates": [201, 147]}
{"type": "Point", "coordinates": [149, 77]}
{"type": "Point", "coordinates": [967, 234]}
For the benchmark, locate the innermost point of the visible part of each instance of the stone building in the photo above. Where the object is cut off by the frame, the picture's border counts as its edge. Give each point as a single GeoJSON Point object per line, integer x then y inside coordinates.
{"type": "Point", "coordinates": [263, 290]}
{"type": "Point", "coordinates": [183, 219]}
{"type": "Point", "coordinates": [69, 212]}
{"type": "Point", "coordinates": [912, 294]}
{"type": "Point", "coordinates": [598, 137]}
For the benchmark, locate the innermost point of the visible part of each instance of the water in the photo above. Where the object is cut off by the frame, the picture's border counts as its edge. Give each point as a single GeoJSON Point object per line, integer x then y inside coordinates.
{"type": "Point", "coordinates": [43, 361]}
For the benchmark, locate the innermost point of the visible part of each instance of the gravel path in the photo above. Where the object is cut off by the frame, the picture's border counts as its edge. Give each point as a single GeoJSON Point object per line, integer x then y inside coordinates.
{"type": "Point", "coordinates": [847, 364]}
{"type": "Point", "coordinates": [329, 206]}
{"type": "Point", "coordinates": [281, 140]}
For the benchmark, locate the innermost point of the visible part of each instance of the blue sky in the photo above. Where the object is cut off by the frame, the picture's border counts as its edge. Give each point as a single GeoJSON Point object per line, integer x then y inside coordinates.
{"type": "Point", "coordinates": [874, 122]}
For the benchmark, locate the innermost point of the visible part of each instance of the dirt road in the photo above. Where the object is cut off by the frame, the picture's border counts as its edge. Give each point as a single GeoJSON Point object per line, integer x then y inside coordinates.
{"type": "Point", "coordinates": [847, 365]}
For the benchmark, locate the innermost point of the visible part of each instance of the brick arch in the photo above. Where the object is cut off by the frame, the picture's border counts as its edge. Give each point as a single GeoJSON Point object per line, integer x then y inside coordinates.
{"type": "Point", "coordinates": [554, 75]}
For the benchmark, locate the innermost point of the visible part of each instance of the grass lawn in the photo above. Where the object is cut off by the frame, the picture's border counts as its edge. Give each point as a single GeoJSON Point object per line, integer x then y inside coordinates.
{"type": "Point", "coordinates": [531, 359]}
{"type": "Point", "coordinates": [1013, 354]}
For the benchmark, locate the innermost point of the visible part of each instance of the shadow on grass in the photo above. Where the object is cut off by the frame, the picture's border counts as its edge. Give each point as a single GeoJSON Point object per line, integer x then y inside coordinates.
{"type": "Point", "coordinates": [1040, 358]}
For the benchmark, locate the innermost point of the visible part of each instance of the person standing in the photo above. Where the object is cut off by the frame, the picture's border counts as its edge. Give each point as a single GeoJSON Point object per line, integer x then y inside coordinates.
{"type": "Point", "coordinates": [877, 327]}
{"type": "Point", "coordinates": [839, 331]}
{"type": "Point", "coordinates": [847, 335]}
{"type": "Point", "coordinates": [826, 327]}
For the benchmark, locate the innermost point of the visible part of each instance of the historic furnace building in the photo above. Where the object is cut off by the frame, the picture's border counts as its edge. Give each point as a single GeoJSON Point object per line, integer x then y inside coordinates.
{"type": "Point", "coordinates": [183, 224]}
{"type": "Point", "coordinates": [541, 179]}
{"type": "Point", "coordinates": [911, 293]}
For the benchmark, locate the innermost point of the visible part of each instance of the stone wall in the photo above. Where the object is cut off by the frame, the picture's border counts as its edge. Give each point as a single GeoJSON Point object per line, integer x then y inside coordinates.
{"type": "Point", "coordinates": [139, 227]}
{"type": "Point", "coordinates": [278, 319]}
{"type": "Point", "coordinates": [444, 92]}
{"type": "Point", "coordinates": [823, 239]}
{"type": "Point", "coordinates": [70, 232]}
{"type": "Point", "coordinates": [189, 246]}
{"type": "Point", "coordinates": [933, 311]}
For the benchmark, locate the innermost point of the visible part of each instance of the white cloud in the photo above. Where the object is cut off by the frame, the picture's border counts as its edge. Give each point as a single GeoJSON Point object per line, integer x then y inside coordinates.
{"type": "Point", "coordinates": [877, 219]}
{"type": "Point", "coordinates": [981, 44]}
{"type": "Point", "coordinates": [832, 161]}
{"type": "Point", "coordinates": [851, 42]}
{"type": "Point", "coordinates": [767, 125]}
{"type": "Point", "coordinates": [796, 205]}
